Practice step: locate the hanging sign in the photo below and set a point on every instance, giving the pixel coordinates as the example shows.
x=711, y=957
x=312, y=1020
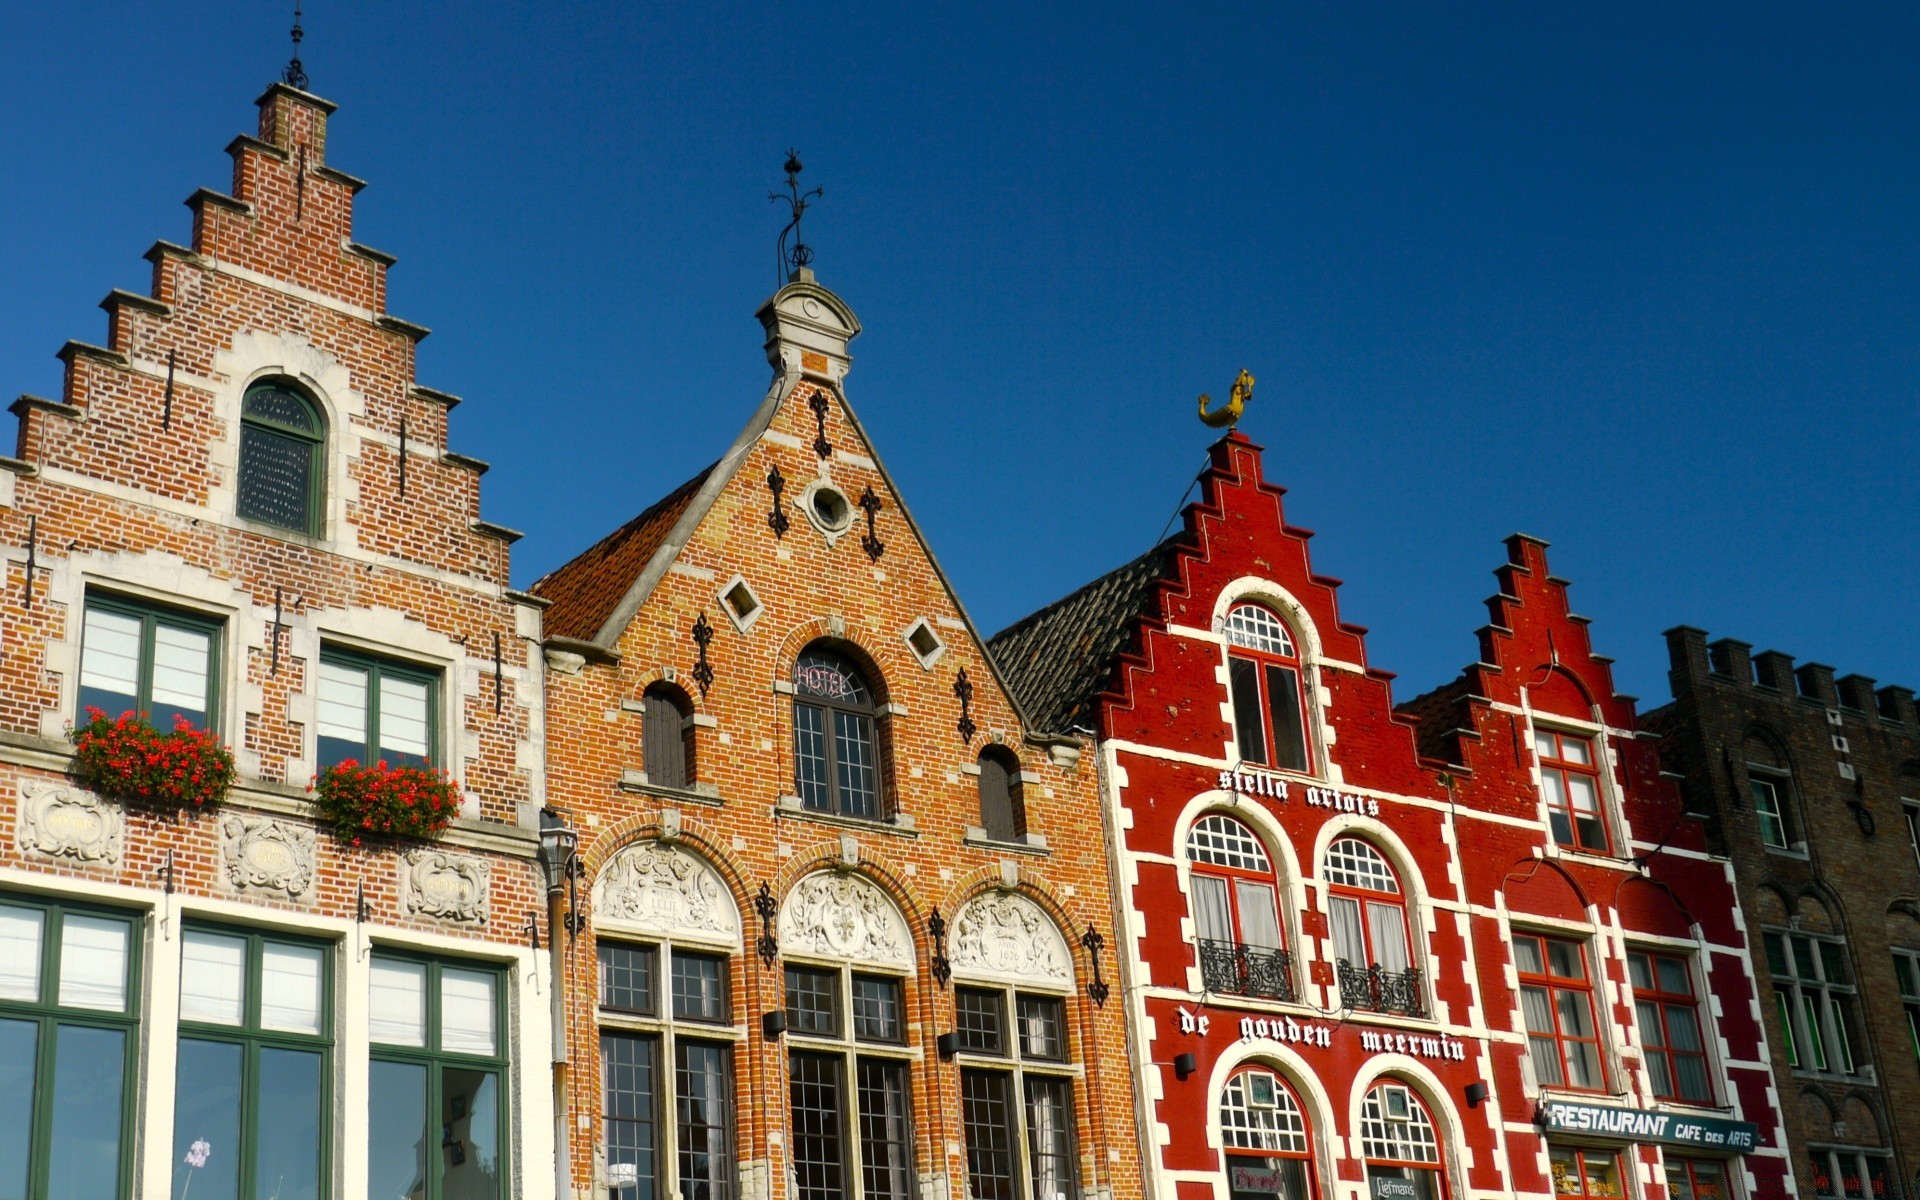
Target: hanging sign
x=1645, y=1125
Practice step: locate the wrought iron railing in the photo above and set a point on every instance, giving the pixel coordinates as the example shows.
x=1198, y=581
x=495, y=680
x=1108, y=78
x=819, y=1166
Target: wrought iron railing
x=1243, y=970
x=1376, y=989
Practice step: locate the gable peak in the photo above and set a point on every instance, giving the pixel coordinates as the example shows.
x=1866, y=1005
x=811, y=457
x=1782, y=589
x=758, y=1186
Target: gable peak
x=808, y=328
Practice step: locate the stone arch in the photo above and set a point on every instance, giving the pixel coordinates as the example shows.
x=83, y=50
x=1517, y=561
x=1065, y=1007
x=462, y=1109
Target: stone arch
x=666, y=825
x=1316, y=1103
x=1005, y=937
x=1416, y=1076
x=881, y=662
x=1903, y=924
x=847, y=917
x=1255, y=589
x=1256, y=816
x=1562, y=694
x=663, y=889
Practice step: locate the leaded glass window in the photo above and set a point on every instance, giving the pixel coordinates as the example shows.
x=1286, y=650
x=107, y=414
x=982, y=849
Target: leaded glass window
x=1016, y=1099
x=282, y=452
x=849, y=1111
x=836, y=749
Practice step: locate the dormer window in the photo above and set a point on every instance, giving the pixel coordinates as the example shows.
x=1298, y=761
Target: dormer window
x=1264, y=679
x=282, y=452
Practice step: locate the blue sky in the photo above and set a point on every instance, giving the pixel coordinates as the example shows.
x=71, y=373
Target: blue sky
x=1639, y=279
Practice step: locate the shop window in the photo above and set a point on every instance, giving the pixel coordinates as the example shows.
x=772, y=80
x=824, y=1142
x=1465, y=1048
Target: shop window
x=1668, y=1011
x=666, y=728
x=1814, y=998
x=376, y=710
x=1697, y=1179
x=1906, y=973
x=1269, y=1153
x=1235, y=899
x=68, y=1024
x=1368, y=911
x=1841, y=1173
x=1581, y=1172
x=836, y=748
x=1571, y=781
x=1556, y=998
x=252, y=1096
x=1003, y=816
x=437, y=1122
x=1264, y=679
x=1400, y=1143
x=282, y=456
x=1016, y=1093
x=142, y=658
x=666, y=1070
x=848, y=1087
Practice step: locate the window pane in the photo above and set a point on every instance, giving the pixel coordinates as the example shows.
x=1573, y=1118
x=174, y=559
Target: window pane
x=1576, y=750
x=181, y=657
x=987, y=1118
x=396, y=1131
x=1527, y=957
x=281, y=407
x=19, y=1060
x=628, y=1070
x=813, y=1001
x=1212, y=912
x=1833, y=963
x=286, y=1164
x=703, y=1083
x=1050, y=1137
x=403, y=720
x=470, y=1112
x=1567, y=960
x=1259, y=924
x=1289, y=738
x=813, y=1094
x=996, y=799
x=397, y=1003
x=20, y=932
x=1576, y=1014
x=1042, y=1028
x=110, y=663
x=886, y=1141
x=93, y=963
x=276, y=473
x=290, y=988
x=699, y=987
x=206, y=1120
x=1349, y=941
x=467, y=1011
x=1673, y=977
x=853, y=756
x=876, y=1009
x=342, y=713
x=1249, y=723
x=980, y=1019
x=1388, y=925
x=213, y=972
x=83, y=1154
x=1583, y=1065
x=626, y=977
x=810, y=756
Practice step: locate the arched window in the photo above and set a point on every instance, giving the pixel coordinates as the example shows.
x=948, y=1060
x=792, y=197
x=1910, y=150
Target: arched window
x=1269, y=1156
x=1399, y=1141
x=1770, y=782
x=1368, y=911
x=1263, y=678
x=667, y=736
x=1236, y=914
x=1003, y=815
x=835, y=750
x=282, y=452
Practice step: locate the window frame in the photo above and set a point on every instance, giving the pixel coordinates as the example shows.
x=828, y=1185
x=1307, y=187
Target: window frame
x=1690, y=1165
x=151, y=615
x=1910, y=809
x=49, y=1017
x=1558, y=764
x=1386, y=990
x=1580, y=1154
x=1554, y=985
x=1022, y=1071
x=1252, y=965
x=1014, y=828
x=1779, y=785
x=1437, y=1168
x=1834, y=1156
x=377, y=666
x=848, y=1051
x=869, y=715
x=1663, y=1001
x=663, y=1026
x=1832, y=1003
x=316, y=454
x=252, y=1037
x=1906, y=979
x=437, y=1060
x=1230, y=1150
x=1263, y=663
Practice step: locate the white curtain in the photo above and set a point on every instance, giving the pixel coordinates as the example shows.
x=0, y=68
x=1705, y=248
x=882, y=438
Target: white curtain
x=1388, y=924
x=93, y=963
x=466, y=1011
x=290, y=988
x=397, y=1003
x=1349, y=942
x=20, y=953
x=1212, y=916
x=1259, y=921
x=213, y=975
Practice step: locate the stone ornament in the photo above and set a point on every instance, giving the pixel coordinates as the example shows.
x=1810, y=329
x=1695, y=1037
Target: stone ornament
x=653, y=887
x=451, y=887
x=1004, y=935
x=59, y=820
x=835, y=914
x=260, y=853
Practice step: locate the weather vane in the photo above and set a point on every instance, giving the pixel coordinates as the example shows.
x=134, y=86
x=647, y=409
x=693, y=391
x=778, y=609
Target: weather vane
x=296, y=75
x=1228, y=414
x=792, y=260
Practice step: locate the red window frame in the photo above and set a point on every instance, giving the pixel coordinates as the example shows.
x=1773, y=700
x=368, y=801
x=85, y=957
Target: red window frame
x=1364, y=897
x=1304, y=1156
x=1434, y=1169
x=1717, y=1189
x=1554, y=761
x=1555, y=986
x=1269, y=878
x=1656, y=1037
x=1579, y=1177
x=1266, y=664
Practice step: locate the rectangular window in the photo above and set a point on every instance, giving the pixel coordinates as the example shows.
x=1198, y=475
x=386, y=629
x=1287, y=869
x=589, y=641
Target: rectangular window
x=1906, y=973
x=376, y=710
x=1697, y=1179
x=849, y=1110
x=437, y=1124
x=68, y=1025
x=1020, y=1102
x=1840, y=1173
x=1556, y=998
x=1571, y=783
x=699, y=986
x=627, y=973
x=251, y=1096
x=1579, y=1172
x=876, y=1009
x=1042, y=1028
x=1669, y=1017
x=630, y=1085
x=980, y=1018
x=1911, y=810
x=142, y=658
x=817, y=1114
x=1267, y=718
x=1815, y=1000
x=986, y=1117
x=813, y=1001
x=1770, y=809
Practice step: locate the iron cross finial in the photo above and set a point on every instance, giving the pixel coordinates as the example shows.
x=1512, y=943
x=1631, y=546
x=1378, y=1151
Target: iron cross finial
x=296, y=75
x=791, y=260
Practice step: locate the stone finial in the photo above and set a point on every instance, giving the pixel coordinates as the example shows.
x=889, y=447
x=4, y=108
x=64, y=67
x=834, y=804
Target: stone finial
x=808, y=328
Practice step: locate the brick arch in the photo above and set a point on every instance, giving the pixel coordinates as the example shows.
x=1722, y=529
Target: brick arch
x=1560, y=691
x=673, y=677
x=1030, y=884
x=1771, y=905
x=882, y=664
x=1811, y=902
x=1770, y=741
x=1816, y=1113
x=1550, y=884
x=1865, y=1124
x=1903, y=923
x=1651, y=905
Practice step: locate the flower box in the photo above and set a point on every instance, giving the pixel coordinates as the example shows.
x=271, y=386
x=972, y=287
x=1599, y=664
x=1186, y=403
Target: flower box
x=362, y=801
x=129, y=761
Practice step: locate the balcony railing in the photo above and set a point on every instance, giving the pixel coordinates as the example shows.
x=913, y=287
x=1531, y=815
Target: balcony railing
x=1376, y=989
x=1243, y=970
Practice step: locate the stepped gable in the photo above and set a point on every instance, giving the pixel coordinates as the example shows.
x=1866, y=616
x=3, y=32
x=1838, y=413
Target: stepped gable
x=1061, y=658
x=587, y=588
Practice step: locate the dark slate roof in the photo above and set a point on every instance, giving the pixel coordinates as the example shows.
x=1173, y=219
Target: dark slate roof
x=1058, y=660
x=1438, y=718
x=587, y=589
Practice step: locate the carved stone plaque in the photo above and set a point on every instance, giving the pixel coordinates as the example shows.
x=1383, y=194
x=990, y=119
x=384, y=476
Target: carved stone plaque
x=838, y=915
x=1004, y=935
x=652, y=887
x=437, y=883
x=59, y=820
x=260, y=853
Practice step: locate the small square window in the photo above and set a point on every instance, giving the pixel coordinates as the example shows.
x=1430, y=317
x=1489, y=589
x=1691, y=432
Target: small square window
x=626, y=978
x=741, y=603
x=876, y=1009
x=980, y=1018
x=699, y=986
x=924, y=642
x=813, y=1001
